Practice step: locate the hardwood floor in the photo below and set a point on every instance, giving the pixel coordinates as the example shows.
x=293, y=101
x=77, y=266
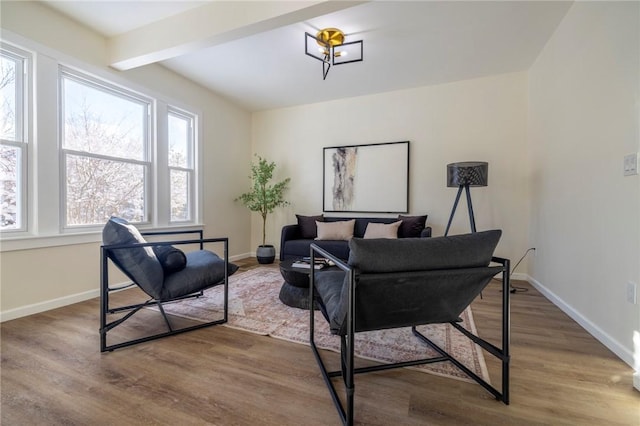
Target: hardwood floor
x=53, y=373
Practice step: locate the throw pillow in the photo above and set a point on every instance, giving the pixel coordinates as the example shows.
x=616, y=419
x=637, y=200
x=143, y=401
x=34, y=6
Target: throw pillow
x=382, y=230
x=171, y=258
x=411, y=226
x=340, y=230
x=138, y=263
x=307, y=224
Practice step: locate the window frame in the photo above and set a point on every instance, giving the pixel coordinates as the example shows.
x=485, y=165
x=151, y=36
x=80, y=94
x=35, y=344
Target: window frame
x=191, y=169
x=80, y=77
x=22, y=142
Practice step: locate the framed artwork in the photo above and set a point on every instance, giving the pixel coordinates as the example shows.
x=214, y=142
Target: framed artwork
x=370, y=178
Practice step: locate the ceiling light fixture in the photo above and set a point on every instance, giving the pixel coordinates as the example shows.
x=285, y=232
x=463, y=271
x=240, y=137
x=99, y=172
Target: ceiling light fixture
x=333, y=50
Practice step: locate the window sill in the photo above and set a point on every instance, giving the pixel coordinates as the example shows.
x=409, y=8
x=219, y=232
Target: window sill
x=39, y=241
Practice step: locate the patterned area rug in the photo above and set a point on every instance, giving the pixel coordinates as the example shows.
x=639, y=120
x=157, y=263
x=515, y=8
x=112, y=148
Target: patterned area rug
x=254, y=306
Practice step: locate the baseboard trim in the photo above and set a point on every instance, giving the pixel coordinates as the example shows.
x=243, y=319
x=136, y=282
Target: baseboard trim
x=47, y=305
x=241, y=256
x=59, y=302
x=519, y=276
x=612, y=344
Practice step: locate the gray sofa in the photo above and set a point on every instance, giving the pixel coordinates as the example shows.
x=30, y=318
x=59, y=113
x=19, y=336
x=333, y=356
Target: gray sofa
x=296, y=239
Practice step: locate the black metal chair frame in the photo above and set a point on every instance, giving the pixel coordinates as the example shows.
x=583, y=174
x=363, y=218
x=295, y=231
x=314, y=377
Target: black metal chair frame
x=106, y=252
x=348, y=369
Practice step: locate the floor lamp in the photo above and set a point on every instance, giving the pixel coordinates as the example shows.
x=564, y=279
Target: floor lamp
x=464, y=175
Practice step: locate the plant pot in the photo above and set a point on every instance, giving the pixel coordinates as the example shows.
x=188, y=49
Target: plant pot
x=266, y=254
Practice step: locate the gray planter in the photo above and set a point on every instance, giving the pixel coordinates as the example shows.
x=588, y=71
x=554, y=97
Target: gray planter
x=266, y=254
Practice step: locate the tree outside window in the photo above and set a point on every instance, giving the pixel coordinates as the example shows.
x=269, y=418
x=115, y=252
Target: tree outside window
x=181, y=172
x=105, y=149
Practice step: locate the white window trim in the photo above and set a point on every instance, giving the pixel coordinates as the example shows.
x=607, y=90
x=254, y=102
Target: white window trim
x=192, y=169
x=147, y=162
x=44, y=226
x=23, y=142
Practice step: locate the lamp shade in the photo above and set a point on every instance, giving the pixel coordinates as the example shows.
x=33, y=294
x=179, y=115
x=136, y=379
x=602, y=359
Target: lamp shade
x=472, y=173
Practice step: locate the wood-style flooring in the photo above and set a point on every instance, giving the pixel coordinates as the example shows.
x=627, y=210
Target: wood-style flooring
x=53, y=373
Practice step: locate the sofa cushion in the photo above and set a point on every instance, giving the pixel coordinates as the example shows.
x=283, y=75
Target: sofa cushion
x=300, y=248
x=171, y=259
x=411, y=226
x=340, y=230
x=414, y=254
x=307, y=225
x=140, y=264
x=382, y=230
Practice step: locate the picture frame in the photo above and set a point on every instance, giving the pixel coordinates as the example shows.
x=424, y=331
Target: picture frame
x=369, y=178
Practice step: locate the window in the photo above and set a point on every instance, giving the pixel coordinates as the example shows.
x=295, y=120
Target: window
x=105, y=140
x=180, y=138
x=13, y=140
x=104, y=146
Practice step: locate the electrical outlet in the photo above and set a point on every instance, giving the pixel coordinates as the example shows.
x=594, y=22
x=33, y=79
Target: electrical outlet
x=631, y=164
x=632, y=292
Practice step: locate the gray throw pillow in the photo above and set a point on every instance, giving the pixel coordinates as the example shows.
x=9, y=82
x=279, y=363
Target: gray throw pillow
x=171, y=258
x=140, y=264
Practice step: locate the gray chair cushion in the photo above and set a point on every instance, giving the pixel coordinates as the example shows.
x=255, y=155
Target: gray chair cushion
x=140, y=264
x=204, y=269
x=423, y=254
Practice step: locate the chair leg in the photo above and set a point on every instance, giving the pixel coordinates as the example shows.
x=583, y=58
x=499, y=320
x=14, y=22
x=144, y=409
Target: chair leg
x=164, y=315
x=347, y=350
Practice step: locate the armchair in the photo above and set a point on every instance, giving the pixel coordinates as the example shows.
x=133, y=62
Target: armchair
x=405, y=283
x=163, y=272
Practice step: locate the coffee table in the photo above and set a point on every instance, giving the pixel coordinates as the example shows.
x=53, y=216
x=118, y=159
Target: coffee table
x=295, y=289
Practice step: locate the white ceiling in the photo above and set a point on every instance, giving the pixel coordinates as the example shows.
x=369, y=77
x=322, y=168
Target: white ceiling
x=260, y=62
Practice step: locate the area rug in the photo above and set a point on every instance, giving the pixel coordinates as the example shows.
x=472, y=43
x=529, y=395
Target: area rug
x=254, y=306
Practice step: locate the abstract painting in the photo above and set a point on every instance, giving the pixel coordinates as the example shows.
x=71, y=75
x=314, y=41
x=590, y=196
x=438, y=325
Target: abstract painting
x=371, y=178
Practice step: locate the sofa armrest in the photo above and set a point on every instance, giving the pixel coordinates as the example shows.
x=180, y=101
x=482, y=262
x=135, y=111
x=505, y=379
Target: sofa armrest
x=289, y=232
x=426, y=232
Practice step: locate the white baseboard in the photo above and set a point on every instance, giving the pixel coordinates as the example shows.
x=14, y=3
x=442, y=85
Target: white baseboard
x=520, y=276
x=241, y=256
x=612, y=344
x=59, y=302
x=47, y=305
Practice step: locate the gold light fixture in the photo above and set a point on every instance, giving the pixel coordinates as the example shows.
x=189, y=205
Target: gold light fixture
x=333, y=50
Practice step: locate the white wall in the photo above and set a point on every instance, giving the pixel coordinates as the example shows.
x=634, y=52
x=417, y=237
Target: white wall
x=39, y=279
x=584, y=116
x=482, y=119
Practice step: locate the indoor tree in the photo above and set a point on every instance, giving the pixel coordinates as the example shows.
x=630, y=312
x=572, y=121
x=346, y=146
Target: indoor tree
x=264, y=197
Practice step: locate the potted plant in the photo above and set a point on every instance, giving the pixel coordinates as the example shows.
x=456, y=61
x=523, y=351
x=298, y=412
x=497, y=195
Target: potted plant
x=264, y=197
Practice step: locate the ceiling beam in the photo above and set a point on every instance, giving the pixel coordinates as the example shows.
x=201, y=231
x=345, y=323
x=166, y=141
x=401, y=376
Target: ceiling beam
x=214, y=23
